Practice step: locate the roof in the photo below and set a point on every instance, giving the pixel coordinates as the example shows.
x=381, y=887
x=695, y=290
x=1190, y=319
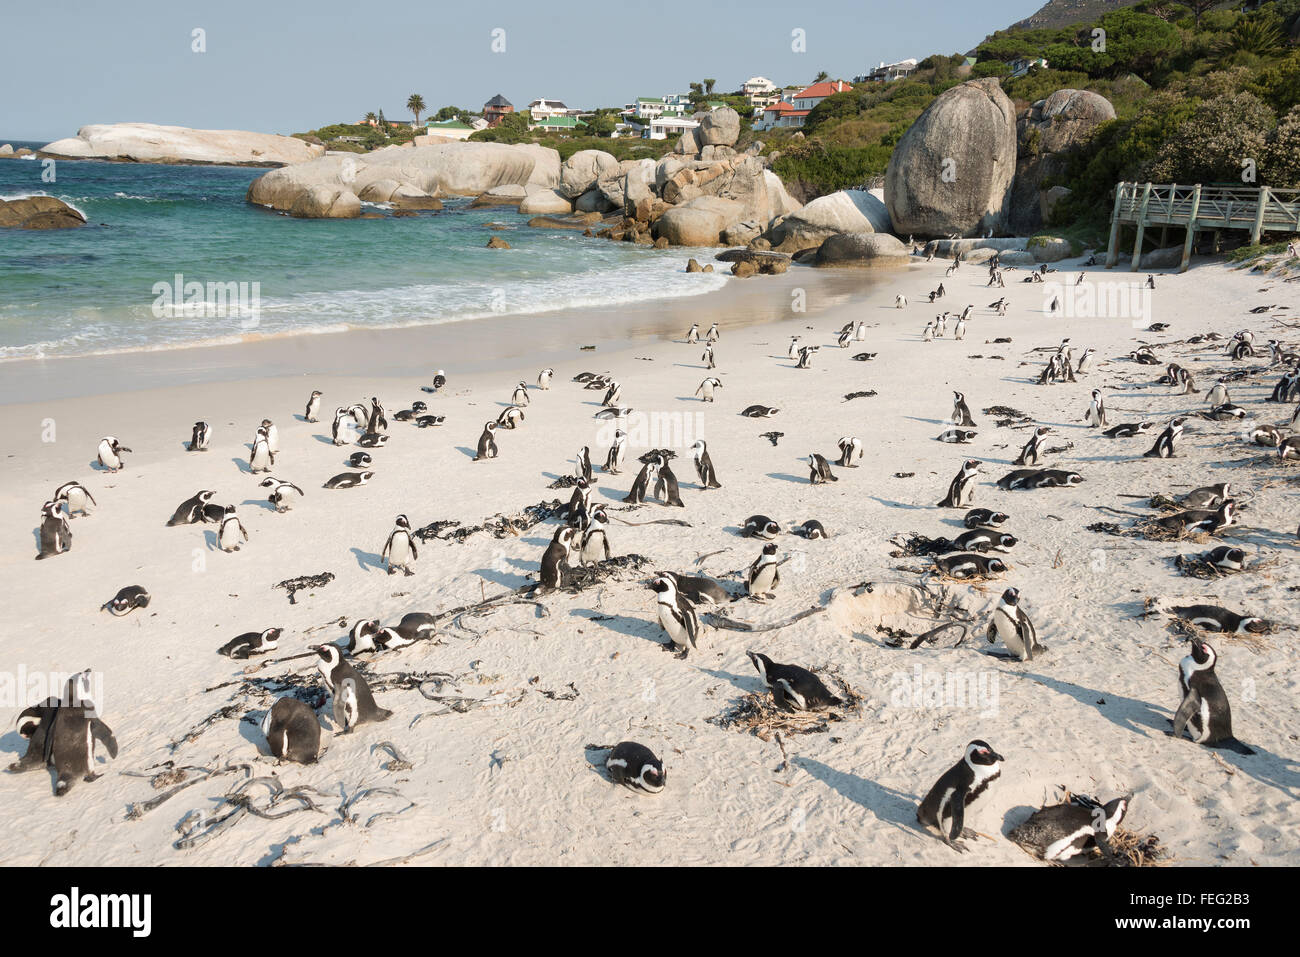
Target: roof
x=780, y=106
x=551, y=103
x=823, y=89
x=448, y=125
x=649, y=99
x=560, y=122
x=499, y=100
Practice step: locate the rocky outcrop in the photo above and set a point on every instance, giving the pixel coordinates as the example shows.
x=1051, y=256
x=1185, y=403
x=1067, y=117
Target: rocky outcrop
x=953, y=169
x=1049, y=249
x=546, y=164
x=783, y=204
x=720, y=127
x=496, y=242
x=326, y=202
x=150, y=143
x=38, y=212
x=1046, y=134
x=862, y=249
x=580, y=171
x=6, y=149
x=511, y=195
x=544, y=202
x=848, y=211
x=699, y=222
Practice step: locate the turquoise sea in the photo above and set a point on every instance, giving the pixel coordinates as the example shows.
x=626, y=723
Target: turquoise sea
x=92, y=290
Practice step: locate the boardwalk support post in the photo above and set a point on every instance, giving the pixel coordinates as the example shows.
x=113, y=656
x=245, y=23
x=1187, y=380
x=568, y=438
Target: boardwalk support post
x=1141, y=230
x=1191, y=229
x=1112, y=248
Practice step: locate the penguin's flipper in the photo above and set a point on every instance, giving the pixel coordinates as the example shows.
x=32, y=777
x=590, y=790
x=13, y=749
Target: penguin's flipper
x=1190, y=707
x=958, y=808
x=104, y=735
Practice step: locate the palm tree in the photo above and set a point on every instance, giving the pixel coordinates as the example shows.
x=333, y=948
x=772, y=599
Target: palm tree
x=821, y=76
x=415, y=103
x=371, y=118
x=708, y=85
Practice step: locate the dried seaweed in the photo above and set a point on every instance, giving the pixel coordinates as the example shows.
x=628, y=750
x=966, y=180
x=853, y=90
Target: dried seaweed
x=295, y=585
x=564, y=481
x=860, y=395
x=1110, y=528
x=500, y=526
x=757, y=713
x=585, y=576
x=1008, y=416
x=435, y=530
x=915, y=544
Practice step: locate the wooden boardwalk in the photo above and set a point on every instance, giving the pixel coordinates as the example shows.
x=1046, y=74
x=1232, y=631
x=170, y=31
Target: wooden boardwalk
x=1198, y=207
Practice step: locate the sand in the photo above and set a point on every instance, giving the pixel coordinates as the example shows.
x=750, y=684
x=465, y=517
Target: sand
x=509, y=780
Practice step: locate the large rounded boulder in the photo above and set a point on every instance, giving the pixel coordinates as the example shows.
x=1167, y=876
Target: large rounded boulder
x=580, y=171
x=847, y=211
x=952, y=170
x=862, y=249
x=1047, y=133
x=699, y=222
x=38, y=212
x=720, y=127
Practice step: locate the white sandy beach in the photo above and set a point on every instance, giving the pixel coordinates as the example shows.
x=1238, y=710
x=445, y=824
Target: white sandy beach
x=509, y=782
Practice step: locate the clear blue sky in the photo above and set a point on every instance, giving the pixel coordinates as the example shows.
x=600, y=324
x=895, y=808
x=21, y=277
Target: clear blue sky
x=286, y=66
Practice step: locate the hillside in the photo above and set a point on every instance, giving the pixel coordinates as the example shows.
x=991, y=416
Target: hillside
x=1064, y=13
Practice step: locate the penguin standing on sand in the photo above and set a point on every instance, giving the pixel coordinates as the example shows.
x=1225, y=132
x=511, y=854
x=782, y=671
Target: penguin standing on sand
x=1096, y=417
x=544, y=379
x=666, y=489
x=713, y=333
x=1204, y=710
x=819, y=470
x=794, y=347
x=190, y=511
x=339, y=430
x=805, y=357
x=273, y=435
x=55, y=534
x=231, y=531
x=704, y=465
x=377, y=421
x=959, y=786
x=1085, y=360
x=707, y=357
x=764, y=574
x=960, y=411
x=1166, y=440
x=556, y=558
x=1029, y=454
x=676, y=616
x=312, y=412
x=693, y=335
x=110, y=453
x=1218, y=395
x=487, y=442
x=961, y=491
x=292, y=731
x=353, y=702
x=705, y=391
x=595, y=540
x=850, y=451
x=261, y=458
x=582, y=467
x=281, y=493
x=612, y=395
x=520, y=395
x=649, y=473
x=74, y=497
x=579, y=502
x=860, y=333
x=399, y=551
x=200, y=437
x=617, y=453
x=1012, y=625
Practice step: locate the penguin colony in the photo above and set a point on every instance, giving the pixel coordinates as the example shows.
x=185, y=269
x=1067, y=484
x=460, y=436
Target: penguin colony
x=63, y=733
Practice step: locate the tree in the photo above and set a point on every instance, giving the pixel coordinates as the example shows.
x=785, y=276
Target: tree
x=371, y=118
x=415, y=103
x=708, y=85
x=821, y=77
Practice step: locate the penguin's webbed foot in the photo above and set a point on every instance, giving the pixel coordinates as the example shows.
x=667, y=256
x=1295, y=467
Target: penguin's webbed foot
x=409, y=573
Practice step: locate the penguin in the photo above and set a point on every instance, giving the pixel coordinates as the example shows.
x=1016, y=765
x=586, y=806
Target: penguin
x=361, y=636
x=705, y=391
x=969, y=565
x=1204, y=711
x=1055, y=478
x=957, y=436
x=617, y=412
x=487, y=443
x=544, y=379
x=110, y=453
x=1218, y=394
x=1225, y=558
x=582, y=465
x=1209, y=521
x=612, y=395
x=959, y=333
x=981, y=517
x=70, y=739
x=371, y=440
x=900, y=301
x=793, y=688
x=666, y=489
x=377, y=421
x=759, y=411
x=127, y=600
x=292, y=731
x=698, y=589
x=212, y=513
x=927, y=334
x=805, y=357
x=200, y=437
x=1214, y=618
x=983, y=539
x=1029, y=454
x=348, y=480
x=74, y=496
x=55, y=533
x=693, y=334
x=190, y=511
x=399, y=551
x=1096, y=416
x=1064, y=831
x=359, y=460
x=1085, y=361
x=273, y=435
x=413, y=626
x=280, y=496
x=595, y=540
x=635, y=767
x=960, y=785
x=617, y=452
x=713, y=335
x=416, y=410
x=1127, y=430
x=312, y=412
x=760, y=526
x=676, y=616
x=1288, y=450
x=556, y=558
x=819, y=470
x=649, y=472
x=860, y=332
x=520, y=395
x=962, y=488
x=439, y=381
x=845, y=339
x=579, y=503
x=231, y=531
x=850, y=451
x=704, y=465
x=339, y=429
x=251, y=643
x=1265, y=435
x=360, y=416
x=1013, y=626
x=1209, y=496
x=764, y=574
x=353, y=702
x=1166, y=440
x=708, y=358
x=794, y=347
x=510, y=417
x=960, y=412
x=813, y=530
x=428, y=421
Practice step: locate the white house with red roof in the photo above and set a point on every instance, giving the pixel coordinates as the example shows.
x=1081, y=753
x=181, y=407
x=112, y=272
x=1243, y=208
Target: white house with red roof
x=791, y=111
x=810, y=96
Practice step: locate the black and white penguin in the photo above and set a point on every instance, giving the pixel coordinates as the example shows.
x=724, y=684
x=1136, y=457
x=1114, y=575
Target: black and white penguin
x=666, y=488
x=704, y=465
x=410, y=415
x=1267, y=436
x=1029, y=454
x=251, y=643
x=200, y=437
x=376, y=421
x=430, y=421
x=579, y=502
x=556, y=558
x=371, y=440
x=272, y=435
x=582, y=464
x=292, y=731
x=439, y=380
x=981, y=517
x=845, y=339
x=1207, y=520
x=969, y=565
x=400, y=551
x=595, y=538
x=339, y=431
x=231, y=532
x=1064, y=831
x=792, y=687
x=1167, y=440
x=693, y=334
x=74, y=497
x=1204, y=712
x=1208, y=496
x=1218, y=394
x=1226, y=558
x=55, y=533
x=487, y=443
x=190, y=511
x=641, y=486
x=617, y=452
x=353, y=702
x=312, y=412
x=676, y=615
x=957, y=436
x=850, y=451
x=127, y=600
x=1127, y=430
x=760, y=526
x=805, y=356
x=510, y=417
x=957, y=787
x=280, y=493
x=1214, y=618
x=1288, y=450
x=983, y=539
x=1085, y=361
x=960, y=411
x=1096, y=415
x=961, y=490
x=359, y=460
x=708, y=358
x=636, y=767
x=261, y=458
x=698, y=589
x=612, y=395
x=74, y=729
x=348, y=480
x=819, y=470
x=813, y=530
x=1014, y=627
x=520, y=395
x=544, y=379
x=759, y=411
x=764, y=574
x=705, y=390
x=110, y=453
x=713, y=335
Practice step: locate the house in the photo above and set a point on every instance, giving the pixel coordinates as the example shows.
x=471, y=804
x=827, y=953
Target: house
x=888, y=72
x=669, y=124
x=757, y=85
x=542, y=109
x=495, y=110
x=647, y=108
x=452, y=129
x=781, y=115
x=1022, y=65
x=680, y=102
x=557, y=124
x=810, y=96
